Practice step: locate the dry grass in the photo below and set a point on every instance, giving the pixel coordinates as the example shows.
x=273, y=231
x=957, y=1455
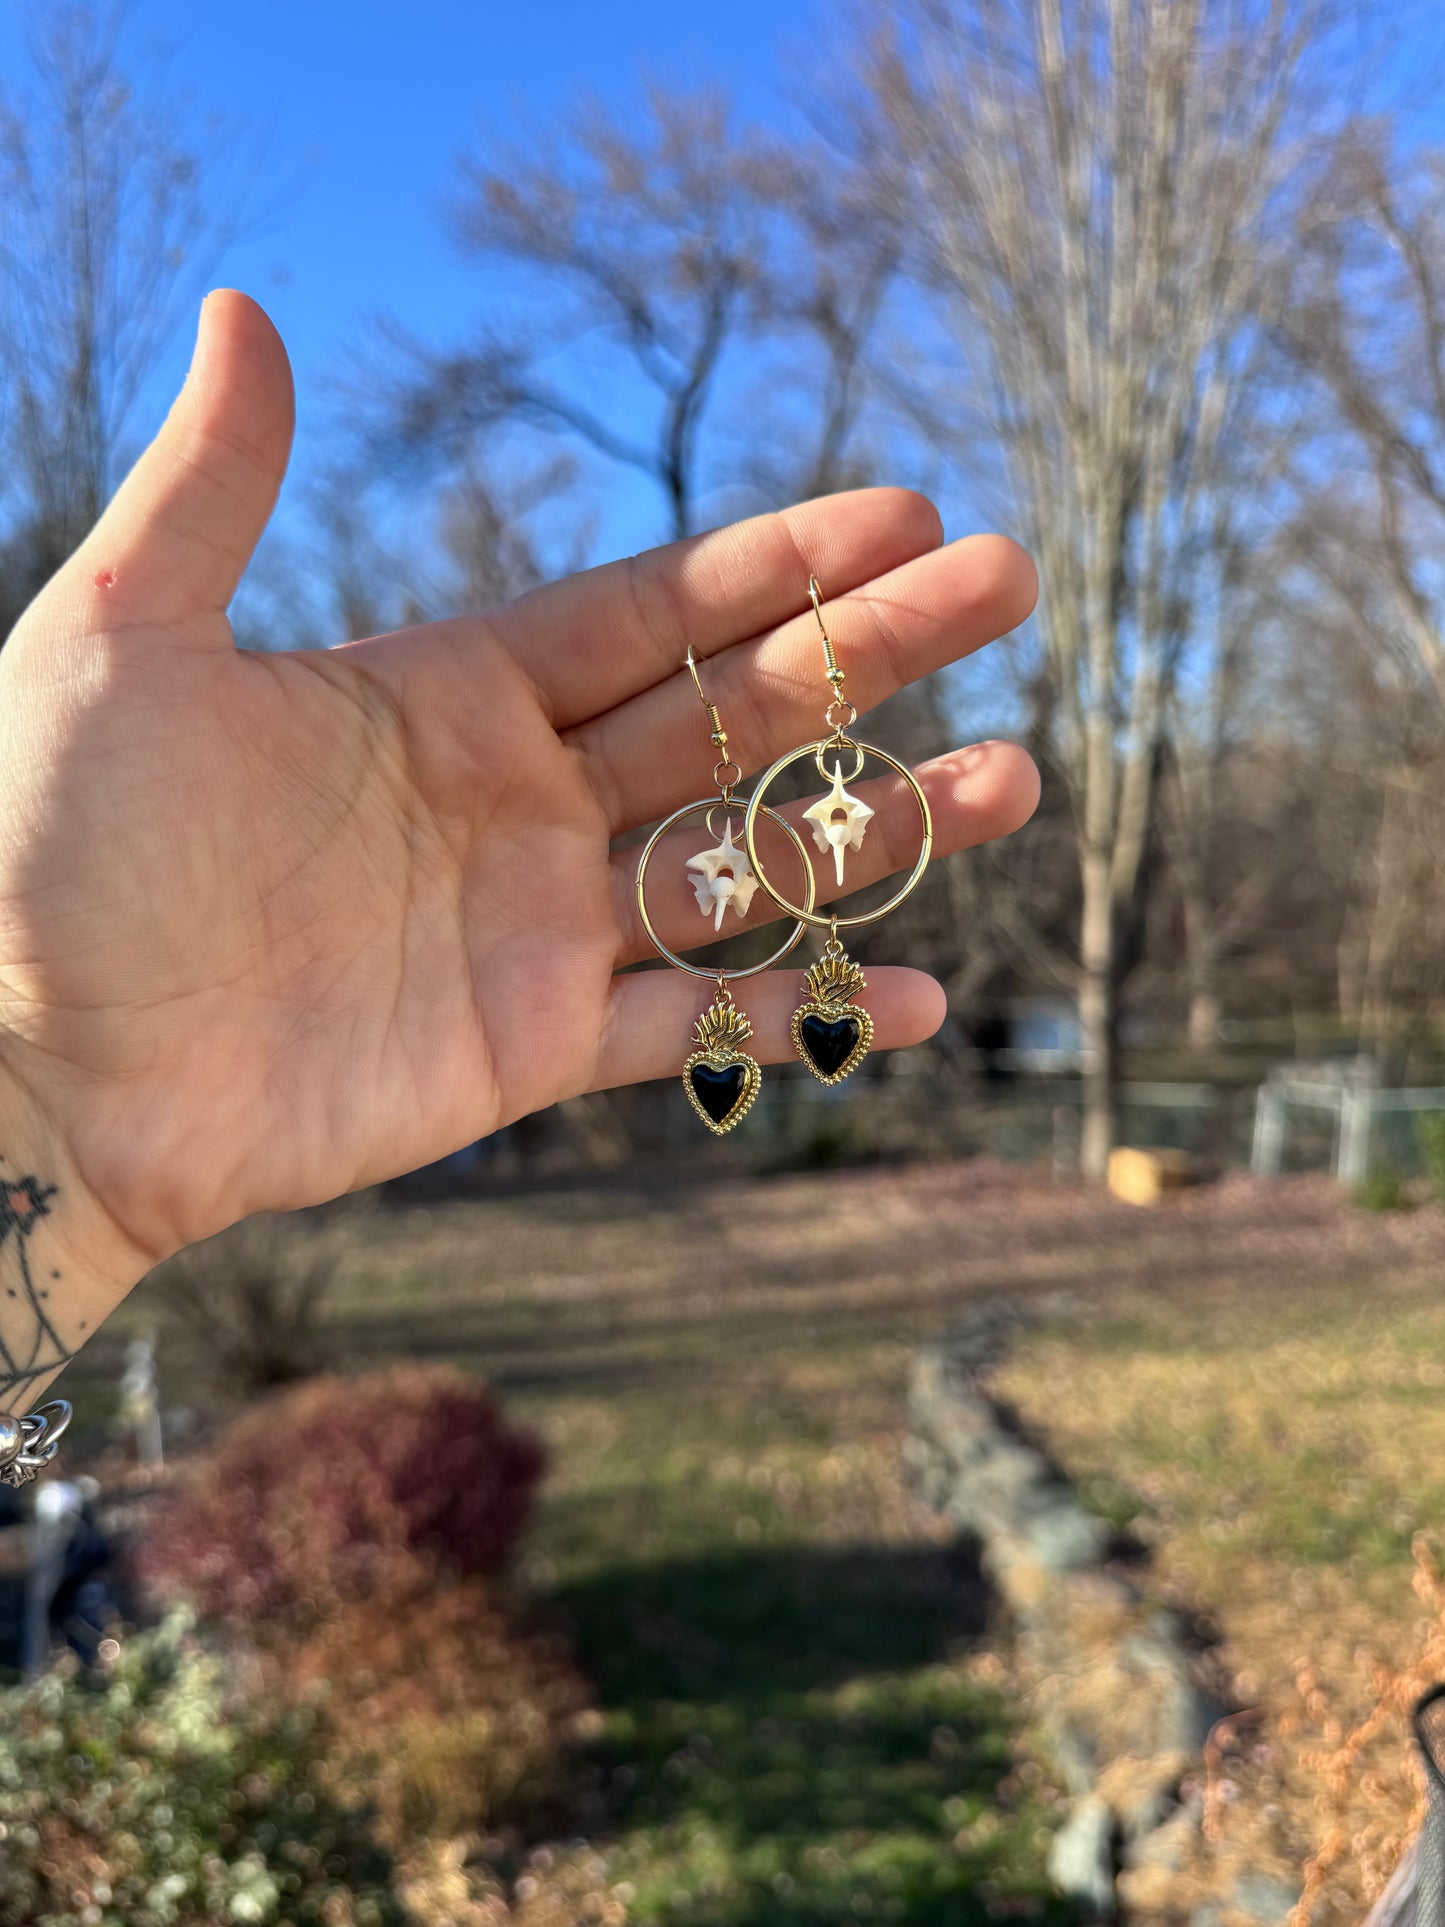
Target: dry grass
x=1275, y=1436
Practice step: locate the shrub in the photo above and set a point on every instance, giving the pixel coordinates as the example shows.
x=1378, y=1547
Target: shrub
x=154, y=1801
x=1382, y=1191
x=344, y=1490
x=1430, y=1131
x=250, y=1300
x=453, y=1721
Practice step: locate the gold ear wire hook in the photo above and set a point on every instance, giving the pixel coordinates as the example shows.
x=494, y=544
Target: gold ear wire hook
x=835, y=679
x=815, y=596
x=719, y=734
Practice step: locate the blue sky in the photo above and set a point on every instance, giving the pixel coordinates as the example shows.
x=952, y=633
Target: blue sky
x=365, y=106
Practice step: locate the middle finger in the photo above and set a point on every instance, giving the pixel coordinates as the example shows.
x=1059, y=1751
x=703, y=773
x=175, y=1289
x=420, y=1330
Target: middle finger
x=652, y=753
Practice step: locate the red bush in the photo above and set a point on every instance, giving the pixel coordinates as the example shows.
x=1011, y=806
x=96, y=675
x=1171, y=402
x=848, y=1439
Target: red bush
x=346, y=1489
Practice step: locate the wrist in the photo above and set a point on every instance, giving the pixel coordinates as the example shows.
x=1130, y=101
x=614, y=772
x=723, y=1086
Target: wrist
x=65, y=1262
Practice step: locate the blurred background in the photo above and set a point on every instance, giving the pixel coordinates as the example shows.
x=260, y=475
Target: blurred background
x=1006, y=1486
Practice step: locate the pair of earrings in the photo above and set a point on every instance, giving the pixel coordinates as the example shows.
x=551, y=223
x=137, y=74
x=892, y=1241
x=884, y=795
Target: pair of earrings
x=830, y=1033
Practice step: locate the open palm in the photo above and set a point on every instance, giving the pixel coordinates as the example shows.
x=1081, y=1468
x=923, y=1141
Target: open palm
x=274, y=926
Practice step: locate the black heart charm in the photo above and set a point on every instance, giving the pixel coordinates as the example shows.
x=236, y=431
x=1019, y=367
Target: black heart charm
x=721, y=1086
x=718, y=1091
x=829, y=1045
x=832, y=1039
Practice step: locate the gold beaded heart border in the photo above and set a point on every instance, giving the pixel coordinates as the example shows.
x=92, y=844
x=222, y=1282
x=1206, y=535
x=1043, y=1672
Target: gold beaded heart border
x=721, y=1061
x=832, y=1014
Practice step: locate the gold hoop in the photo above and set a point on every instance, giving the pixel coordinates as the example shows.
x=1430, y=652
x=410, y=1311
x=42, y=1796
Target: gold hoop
x=704, y=807
x=807, y=914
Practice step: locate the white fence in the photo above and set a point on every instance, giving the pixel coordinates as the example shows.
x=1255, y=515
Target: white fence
x=1349, y=1094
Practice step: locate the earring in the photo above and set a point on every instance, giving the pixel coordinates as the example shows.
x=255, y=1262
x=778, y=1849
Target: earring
x=720, y=1079
x=829, y=1033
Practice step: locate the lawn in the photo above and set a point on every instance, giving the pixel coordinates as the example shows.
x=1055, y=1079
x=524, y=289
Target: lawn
x=801, y=1720
x=805, y=1714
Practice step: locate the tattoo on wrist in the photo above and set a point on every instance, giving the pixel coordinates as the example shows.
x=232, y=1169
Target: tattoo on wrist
x=30, y=1344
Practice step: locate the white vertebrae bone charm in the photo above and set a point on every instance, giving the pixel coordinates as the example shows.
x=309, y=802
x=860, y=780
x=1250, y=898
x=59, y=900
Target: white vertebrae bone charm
x=838, y=820
x=725, y=879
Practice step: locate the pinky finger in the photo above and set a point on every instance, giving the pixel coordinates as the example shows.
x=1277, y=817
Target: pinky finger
x=649, y=1030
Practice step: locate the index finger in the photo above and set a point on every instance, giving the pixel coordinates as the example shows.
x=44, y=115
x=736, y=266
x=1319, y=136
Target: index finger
x=593, y=640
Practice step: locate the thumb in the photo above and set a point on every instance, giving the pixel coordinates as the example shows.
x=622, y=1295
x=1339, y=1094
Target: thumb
x=181, y=528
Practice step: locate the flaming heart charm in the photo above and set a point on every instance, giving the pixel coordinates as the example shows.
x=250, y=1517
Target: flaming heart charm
x=721, y=1081
x=829, y=1034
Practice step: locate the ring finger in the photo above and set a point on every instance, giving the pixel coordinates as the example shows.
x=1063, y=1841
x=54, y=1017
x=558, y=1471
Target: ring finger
x=973, y=794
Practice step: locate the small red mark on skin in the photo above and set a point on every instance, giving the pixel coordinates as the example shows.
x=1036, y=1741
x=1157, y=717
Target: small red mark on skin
x=105, y=579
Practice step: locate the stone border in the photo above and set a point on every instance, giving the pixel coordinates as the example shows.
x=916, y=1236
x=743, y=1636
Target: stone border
x=1125, y=1698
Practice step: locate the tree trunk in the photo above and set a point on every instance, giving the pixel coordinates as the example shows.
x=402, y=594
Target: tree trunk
x=1390, y=915
x=1097, y=1018
x=1202, y=962
x=1205, y=1012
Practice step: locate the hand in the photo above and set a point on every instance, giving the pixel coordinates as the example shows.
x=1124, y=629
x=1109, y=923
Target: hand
x=276, y=926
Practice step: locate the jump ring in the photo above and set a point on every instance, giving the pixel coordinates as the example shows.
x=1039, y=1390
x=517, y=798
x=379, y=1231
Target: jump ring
x=835, y=743
x=705, y=809
x=807, y=913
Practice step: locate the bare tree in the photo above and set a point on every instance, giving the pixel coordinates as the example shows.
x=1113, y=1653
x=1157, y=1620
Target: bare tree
x=111, y=220
x=660, y=273
x=1364, y=321
x=653, y=249
x=363, y=556
x=818, y=380
x=1096, y=179
x=489, y=533
x=1365, y=710
x=1207, y=809
x=1366, y=318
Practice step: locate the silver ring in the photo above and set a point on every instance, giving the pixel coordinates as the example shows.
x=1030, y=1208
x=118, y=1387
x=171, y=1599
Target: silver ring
x=27, y=1445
